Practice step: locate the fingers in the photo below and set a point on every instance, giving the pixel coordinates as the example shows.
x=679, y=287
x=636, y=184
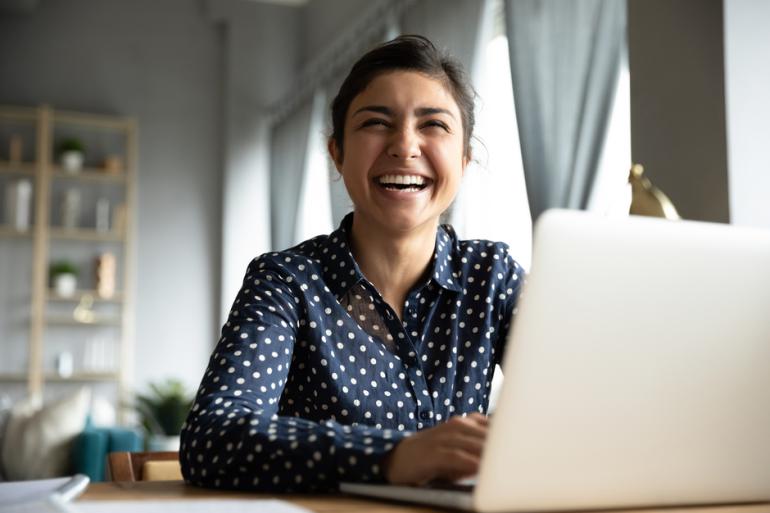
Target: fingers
x=468, y=444
x=457, y=464
x=474, y=425
x=451, y=450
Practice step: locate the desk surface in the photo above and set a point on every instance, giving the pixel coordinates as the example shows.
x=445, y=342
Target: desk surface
x=159, y=490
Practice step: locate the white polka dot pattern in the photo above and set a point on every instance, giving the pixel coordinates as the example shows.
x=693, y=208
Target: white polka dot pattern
x=315, y=378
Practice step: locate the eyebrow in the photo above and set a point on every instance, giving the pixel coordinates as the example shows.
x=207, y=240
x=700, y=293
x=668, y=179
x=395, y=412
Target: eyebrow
x=420, y=112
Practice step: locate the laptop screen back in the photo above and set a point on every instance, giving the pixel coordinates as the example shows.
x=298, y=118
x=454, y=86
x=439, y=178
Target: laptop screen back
x=637, y=372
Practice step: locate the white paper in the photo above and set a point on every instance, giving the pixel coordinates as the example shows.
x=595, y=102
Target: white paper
x=51, y=505
x=27, y=491
x=188, y=506
x=41, y=494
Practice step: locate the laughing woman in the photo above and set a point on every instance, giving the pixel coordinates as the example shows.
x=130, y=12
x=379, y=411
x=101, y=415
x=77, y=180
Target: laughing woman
x=366, y=354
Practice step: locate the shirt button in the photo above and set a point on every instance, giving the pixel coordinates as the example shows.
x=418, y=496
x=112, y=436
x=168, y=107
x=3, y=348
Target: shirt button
x=425, y=415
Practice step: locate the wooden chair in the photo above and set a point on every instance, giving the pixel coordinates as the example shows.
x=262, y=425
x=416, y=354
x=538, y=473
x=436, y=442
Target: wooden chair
x=144, y=466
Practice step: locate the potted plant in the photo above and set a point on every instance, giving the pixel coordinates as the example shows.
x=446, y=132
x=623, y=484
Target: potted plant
x=163, y=411
x=64, y=278
x=71, y=154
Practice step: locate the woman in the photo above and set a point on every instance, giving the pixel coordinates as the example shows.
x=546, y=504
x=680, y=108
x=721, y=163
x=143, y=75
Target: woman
x=367, y=354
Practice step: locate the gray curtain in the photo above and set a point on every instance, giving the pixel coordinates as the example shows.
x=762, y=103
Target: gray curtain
x=565, y=60
x=289, y=146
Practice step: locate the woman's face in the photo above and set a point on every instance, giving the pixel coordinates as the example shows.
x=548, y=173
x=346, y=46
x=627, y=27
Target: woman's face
x=403, y=151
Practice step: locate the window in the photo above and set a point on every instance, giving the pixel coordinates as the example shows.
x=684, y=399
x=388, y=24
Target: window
x=314, y=211
x=492, y=203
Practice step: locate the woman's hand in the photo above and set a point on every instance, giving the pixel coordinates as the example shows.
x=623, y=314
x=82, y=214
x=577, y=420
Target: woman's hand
x=449, y=451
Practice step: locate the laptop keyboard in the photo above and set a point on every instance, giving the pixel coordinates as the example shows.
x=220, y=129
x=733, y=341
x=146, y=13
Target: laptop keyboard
x=452, y=487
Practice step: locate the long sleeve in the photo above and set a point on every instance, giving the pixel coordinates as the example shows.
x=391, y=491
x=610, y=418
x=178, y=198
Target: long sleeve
x=510, y=290
x=236, y=435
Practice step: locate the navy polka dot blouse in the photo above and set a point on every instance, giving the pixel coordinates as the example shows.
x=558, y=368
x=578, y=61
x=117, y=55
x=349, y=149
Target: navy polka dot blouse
x=315, y=378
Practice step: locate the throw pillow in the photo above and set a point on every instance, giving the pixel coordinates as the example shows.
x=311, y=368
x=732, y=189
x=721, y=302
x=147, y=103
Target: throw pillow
x=38, y=438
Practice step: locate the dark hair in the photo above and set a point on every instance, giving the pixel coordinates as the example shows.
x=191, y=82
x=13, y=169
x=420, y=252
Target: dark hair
x=412, y=53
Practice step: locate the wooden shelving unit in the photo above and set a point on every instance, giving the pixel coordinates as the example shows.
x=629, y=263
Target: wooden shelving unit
x=47, y=309
x=89, y=175
x=8, y=231
x=80, y=377
x=17, y=168
x=80, y=294
x=69, y=321
x=84, y=235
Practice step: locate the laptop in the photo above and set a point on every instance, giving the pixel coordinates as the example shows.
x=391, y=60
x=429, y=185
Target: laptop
x=637, y=373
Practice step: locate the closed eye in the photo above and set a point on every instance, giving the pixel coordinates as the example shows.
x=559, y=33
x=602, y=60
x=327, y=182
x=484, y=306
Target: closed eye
x=375, y=122
x=435, y=123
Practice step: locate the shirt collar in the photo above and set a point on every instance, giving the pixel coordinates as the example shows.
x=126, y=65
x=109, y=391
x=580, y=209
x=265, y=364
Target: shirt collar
x=446, y=271
x=341, y=270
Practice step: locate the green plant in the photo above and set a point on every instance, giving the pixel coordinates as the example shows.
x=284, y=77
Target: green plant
x=63, y=267
x=71, y=144
x=165, y=408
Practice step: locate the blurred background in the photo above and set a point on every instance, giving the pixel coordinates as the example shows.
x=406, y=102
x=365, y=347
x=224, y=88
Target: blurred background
x=203, y=126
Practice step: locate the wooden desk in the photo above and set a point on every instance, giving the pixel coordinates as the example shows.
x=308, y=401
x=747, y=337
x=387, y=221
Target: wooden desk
x=159, y=490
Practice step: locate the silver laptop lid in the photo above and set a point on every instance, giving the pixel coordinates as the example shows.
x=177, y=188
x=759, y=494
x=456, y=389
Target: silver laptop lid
x=638, y=369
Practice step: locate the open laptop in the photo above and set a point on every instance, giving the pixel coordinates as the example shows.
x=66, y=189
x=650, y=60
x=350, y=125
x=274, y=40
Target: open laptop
x=637, y=372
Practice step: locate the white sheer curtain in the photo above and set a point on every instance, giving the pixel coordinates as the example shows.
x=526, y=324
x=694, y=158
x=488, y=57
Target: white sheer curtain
x=492, y=203
x=314, y=209
x=287, y=168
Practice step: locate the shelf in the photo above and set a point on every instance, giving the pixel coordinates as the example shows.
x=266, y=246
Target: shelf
x=78, y=296
x=95, y=121
x=17, y=168
x=13, y=377
x=77, y=377
x=70, y=321
x=7, y=231
x=13, y=113
x=84, y=376
x=90, y=175
x=85, y=234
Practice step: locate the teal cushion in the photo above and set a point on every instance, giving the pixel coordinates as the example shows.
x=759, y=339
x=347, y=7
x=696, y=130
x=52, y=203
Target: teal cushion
x=123, y=439
x=89, y=453
x=91, y=447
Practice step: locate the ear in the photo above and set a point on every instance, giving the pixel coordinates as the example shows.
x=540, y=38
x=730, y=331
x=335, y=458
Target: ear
x=335, y=154
x=466, y=161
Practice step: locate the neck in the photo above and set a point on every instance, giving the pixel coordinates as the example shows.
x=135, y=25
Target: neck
x=392, y=261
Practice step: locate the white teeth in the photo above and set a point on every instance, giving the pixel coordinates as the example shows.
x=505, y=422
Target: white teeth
x=402, y=180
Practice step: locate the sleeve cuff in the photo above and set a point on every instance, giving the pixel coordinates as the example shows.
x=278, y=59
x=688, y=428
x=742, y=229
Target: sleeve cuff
x=359, y=451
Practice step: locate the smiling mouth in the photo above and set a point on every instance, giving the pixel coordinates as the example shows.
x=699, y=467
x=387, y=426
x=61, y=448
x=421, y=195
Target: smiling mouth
x=409, y=183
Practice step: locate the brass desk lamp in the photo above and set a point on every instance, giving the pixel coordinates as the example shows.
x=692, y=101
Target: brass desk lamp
x=646, y=199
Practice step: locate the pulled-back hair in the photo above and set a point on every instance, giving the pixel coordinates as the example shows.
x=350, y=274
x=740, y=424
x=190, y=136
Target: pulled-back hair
x=405, y=53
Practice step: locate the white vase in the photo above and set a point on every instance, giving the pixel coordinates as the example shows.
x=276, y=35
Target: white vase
x=163, y=443
x=65, y=284
x=72, y=161
x=70, y=209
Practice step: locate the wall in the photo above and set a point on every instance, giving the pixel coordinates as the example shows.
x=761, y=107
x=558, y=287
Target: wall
x=159, y=62
x=747, y=81
x=677, y=102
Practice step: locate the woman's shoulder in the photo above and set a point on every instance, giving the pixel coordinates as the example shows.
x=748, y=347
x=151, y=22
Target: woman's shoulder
x=484, y=259
x=304, y=258
x=480, y=252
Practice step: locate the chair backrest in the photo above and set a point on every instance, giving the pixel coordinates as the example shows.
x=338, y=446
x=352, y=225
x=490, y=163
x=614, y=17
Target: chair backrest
x=144, y=466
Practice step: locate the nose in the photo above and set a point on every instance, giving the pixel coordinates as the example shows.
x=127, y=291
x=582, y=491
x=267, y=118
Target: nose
x=404, y=144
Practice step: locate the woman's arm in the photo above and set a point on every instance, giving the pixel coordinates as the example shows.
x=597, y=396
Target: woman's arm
x=234, y=437
x=508, y=297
